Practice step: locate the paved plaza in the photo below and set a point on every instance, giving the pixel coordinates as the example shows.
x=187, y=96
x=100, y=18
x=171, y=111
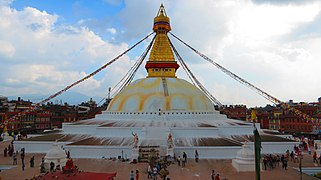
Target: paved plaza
x=192, y=170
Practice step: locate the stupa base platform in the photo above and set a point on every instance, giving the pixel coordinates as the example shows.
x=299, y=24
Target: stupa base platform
x=108, y=151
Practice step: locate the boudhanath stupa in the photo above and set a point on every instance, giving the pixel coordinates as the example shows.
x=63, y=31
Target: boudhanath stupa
x=160, y=113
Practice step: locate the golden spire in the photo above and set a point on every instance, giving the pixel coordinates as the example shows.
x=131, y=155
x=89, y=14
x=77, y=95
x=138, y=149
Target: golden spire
x=161, y=60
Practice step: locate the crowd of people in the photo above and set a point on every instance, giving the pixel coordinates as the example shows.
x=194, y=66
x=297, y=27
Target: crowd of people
x=10, y=152
x=272, y=161
x=269, y=161
x=215, y=176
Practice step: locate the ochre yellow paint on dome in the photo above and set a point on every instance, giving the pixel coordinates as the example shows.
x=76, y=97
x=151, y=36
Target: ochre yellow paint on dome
x=146, y=84
x=148, y=95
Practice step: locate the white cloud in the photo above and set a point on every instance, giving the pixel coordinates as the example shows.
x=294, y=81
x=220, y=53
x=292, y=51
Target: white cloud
x=5, y=2
x=261, y=22
x=6, y=49
x=112, y=30
x=43, y=57
x=254, y=41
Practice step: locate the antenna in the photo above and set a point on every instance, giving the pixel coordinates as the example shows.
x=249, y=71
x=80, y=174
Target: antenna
x=109, y=89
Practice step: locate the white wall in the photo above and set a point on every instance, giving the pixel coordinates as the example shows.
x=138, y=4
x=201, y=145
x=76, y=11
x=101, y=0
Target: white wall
x=275, y=147
x=117, y=131
x=218, y=152
x=36, y=146
x=97, y=152
x=194, y=132
x=78, y=129
x=232, y=130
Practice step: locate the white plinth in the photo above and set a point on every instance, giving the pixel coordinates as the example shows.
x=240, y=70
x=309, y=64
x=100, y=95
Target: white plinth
x=245, y=159
x=135, y=153
x=170, y=152
x=6, y=137
x=243, y=166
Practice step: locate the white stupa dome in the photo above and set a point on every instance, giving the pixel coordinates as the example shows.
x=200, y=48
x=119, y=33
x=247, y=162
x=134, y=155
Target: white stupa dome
x=155, y=94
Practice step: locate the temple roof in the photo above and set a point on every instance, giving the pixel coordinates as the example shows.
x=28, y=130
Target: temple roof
x=161, y=57
x=161, y=50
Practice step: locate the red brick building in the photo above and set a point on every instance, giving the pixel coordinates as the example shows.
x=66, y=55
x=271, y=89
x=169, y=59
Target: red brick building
x=235, y=111
x=43, y=120
x=263, y=119
x=292, y=123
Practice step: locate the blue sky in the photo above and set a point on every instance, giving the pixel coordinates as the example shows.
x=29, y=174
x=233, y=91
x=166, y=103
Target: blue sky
x=45, y=45
x=96, y=15
x=72, y=11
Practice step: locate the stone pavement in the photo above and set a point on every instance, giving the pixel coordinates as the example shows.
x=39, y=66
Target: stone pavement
x=191, y=171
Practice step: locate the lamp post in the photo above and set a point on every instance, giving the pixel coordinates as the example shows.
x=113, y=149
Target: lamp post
x=300, y=166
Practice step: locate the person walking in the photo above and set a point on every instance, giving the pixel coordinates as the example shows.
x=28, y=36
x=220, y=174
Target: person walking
x=9, y=150
x=179, y=160
x=217, y=177
x=149, y=171
x=183, y=162
x=155, y=173
x=5, y=152
x=185, y=157
x=137, y=175
x=212, y=174
x=52, y=166
x=278, y=160
x=265, y=162
x=315, y=157
x=196, y=155
x=22, y=156
x=15, y=159
x=32, y=161
x=292, y=156
x=131, y=175
x=285, y=164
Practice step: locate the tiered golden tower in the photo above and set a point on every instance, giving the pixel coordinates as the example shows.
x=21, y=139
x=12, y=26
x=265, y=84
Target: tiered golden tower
x=161, y=61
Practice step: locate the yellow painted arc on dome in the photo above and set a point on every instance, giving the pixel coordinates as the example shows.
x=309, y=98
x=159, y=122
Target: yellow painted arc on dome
x=146, y=85
x=143, y=97
x=123, y=98
x=188, y=99
x=180, y=91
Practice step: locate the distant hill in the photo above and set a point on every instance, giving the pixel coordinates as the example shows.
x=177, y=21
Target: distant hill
x=71, y=97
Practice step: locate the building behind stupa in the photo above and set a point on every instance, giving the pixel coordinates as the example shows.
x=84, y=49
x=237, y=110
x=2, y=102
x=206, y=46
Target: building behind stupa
x=160, y=112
